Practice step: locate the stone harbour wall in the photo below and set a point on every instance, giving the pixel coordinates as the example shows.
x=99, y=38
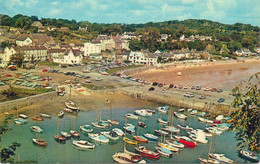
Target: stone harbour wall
x=19, y=103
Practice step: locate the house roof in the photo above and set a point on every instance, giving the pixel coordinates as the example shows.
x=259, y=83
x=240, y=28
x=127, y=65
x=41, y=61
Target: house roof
x=26, y=48
x=96, y=41
x=55, y=50
x=22, y=37
x=76, y=52
x=13, y=36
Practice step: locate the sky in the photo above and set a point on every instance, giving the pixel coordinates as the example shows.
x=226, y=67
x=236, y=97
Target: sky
x=137, y=11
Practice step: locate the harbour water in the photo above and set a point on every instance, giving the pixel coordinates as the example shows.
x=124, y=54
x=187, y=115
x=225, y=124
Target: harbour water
x=55, y=152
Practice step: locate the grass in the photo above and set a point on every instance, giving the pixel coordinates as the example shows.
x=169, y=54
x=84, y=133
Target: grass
x=114, y=70
x=94, y=87
x=48, y=63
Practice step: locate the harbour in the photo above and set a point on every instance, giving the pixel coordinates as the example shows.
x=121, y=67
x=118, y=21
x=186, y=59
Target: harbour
x=67, y=153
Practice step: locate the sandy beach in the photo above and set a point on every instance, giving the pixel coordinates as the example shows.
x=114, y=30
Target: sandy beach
x=220, y=74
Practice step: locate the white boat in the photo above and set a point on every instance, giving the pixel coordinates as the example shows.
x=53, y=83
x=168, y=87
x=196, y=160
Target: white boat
x=213, y=130
x=71, y=105
x=249, y=155
x=175, y=143
x=207, y=161
x=198, y=137
x=150, y=136
x=221, y=158
x=113, y=122
x=163, y=121
x=193, y=112
x=168, y=146
x=118, y=131
x=201, y=131
x=128, y=158
x=132, y=116
x=189, y=110
x=86, y=128
x=129, y=128
x=110, y=135
x=20, y=121
x=45, y=115
x=83, y=144
x=219, y=117
x=171, y=129
x=163, y=109
x=23, y=116
x=98, y=137
x=184, y=127
x=74, y=133
x=65, y=134
x=36, y=129
x=205, y=120
x=99, y=124
x=68, y=110
x=179, y=115
x=143, y=112
x=179, y=73
x=181, y=110
x=163, y=151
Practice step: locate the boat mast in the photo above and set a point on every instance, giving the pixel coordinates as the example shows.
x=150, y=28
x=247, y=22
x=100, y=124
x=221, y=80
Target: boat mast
x=58, y=127
x=209, y=147
x=70, y=93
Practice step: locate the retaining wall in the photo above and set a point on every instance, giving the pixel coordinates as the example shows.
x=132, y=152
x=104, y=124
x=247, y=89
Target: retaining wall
x=19, y=103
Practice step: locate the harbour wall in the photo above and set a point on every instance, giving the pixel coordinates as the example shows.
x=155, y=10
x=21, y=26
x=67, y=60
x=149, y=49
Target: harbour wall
x=19, y=103
x=176, y=100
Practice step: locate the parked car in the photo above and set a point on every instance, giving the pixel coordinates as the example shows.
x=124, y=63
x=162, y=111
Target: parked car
x=220, y=100
x=202, y=97
x=219, y=90
x=151, y=89
x=198, y=87
x=193, y=87
x=171, y=86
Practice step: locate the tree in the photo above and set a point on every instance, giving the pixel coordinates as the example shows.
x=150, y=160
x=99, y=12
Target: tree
x=6, y=153
x=17, y=59
x=245, y=118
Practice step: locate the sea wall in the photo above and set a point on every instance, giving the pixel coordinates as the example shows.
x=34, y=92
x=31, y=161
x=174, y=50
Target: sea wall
x=176, y=100
x=19, y=103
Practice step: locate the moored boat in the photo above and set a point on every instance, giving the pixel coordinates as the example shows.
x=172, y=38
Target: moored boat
x=128, y=158
x=118, y=131
x=143, y=112
x=45, y=115
x=129, y=141
x=221, y=158
x=184, y=127
x=113, y=122
x=37, y=119
x=83, y=144
x=163, y=121
x=110, y=135
x=163, y=151
x=186, y=141
x=168, y=146
x=147, y=153
x=65, y=134
x=20, y=121
x=98, y=137
x=142, y=124
x=23, y=116
x=193, y=112
x=140, y=139
x=207, y=161
x=71, y=105
x=39, y=141
x=213, y=130
x=129, y=128
x=181, y=110
x=163, y=109
x=150, y=136
x=179, y=115
x=74, y=133
x=205, y=120
x=60, y=114
x=131, y=116
x=171, y=129
x=86, y=128
x=248, y=155
x=161, y=132
x=68, y=110
x=175, y=143
x=59, y=138
x=36, y=129
x=219, y=117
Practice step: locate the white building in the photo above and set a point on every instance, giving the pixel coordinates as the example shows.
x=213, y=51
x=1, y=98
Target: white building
x=141, y=58
x=91, y=48
x=6, y=55
x=24, y=40
x=73, y=56
x=34, y=53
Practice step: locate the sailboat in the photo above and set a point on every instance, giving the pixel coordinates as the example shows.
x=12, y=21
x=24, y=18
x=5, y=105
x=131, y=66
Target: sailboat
x=209, y=159
x=111, y=121
x=129, y=128
x=100, y=123
x=140, y=138
x=57, y=136
x=127, y=157
x=35, y=118
x=73, y=132
x=70, y=104
x=19, y=121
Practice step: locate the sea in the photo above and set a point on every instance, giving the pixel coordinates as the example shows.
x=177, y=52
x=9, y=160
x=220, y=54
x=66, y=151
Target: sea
x=56, y=152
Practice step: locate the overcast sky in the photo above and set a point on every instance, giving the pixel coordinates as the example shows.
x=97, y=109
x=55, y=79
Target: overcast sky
x=137, y=11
